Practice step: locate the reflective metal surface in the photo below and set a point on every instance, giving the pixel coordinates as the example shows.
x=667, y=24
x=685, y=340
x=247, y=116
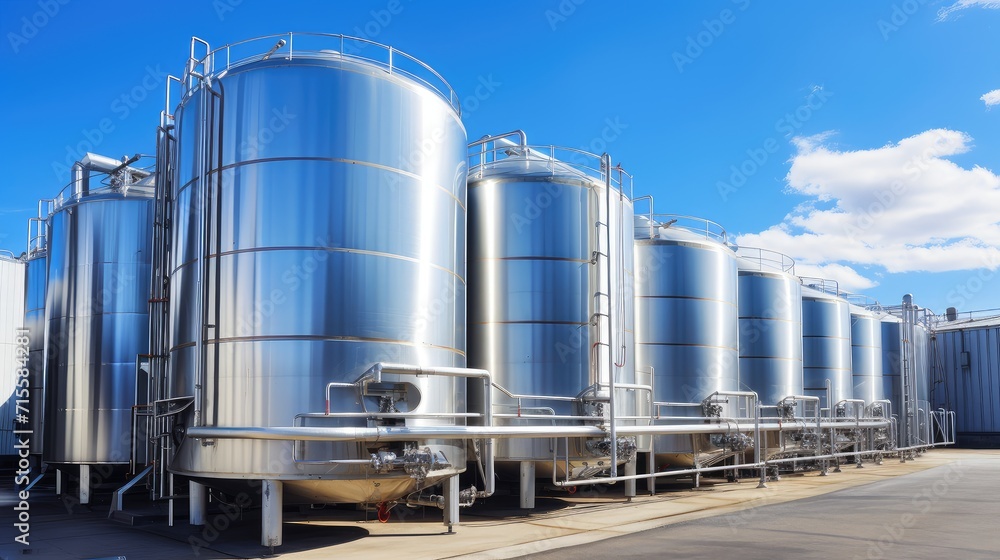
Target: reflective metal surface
x=34, y=321
x=826, y=346
x=538, y=303
x=866, y=355
x=770, y=315
x=335, y=235
x=11, y=319
x=687, y=329
x=96, y=324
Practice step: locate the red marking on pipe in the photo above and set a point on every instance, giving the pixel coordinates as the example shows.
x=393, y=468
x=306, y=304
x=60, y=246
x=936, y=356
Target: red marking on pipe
x=328, y=406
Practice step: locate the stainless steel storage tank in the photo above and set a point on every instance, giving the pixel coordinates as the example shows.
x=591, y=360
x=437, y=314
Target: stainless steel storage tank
x=12, y=351
x=99, y=250
x=826, y=342
x=36, y=265
x=686, y=323
x=892, y=362
x=540, y=307
x=318, y=229
x=770, y=316
x=866, y=355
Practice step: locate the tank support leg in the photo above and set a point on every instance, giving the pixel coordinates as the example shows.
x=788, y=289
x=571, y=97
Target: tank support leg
x=527, y=485
x=650, y=468
x=630, y=468
x=198, y=503
x=84, y=484
x=451, y=491
x=58, y=482
x=270, y=529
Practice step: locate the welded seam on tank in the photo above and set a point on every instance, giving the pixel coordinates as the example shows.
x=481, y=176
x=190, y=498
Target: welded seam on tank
x=502, y=177
x=824, y=336
x=320, y=338
x=725, y=301
x=572, y=323
x=756, y=318
x=686, y=345
x=325, y=249
x=329, y=160
x=556, y=259
x=771, y=358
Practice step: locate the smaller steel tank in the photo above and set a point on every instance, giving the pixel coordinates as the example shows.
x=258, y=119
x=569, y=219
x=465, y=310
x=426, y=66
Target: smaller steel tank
x=826, y=342
x=770, y=319
x=36, y=264
x=96, y=313
x=686, y=326
x=866, y=355
x=550, y=283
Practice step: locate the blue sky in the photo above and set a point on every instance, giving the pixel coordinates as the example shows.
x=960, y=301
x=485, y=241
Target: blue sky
x=860, y=137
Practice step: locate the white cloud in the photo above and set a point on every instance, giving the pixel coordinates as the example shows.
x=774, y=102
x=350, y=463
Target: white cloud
x=902, y=207
x=991, y=98
x=945, y=13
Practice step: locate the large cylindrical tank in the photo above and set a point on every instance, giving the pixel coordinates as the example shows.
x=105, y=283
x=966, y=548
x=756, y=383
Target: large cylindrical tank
x=770, y=316
x=826, y=346
x=34, y=322
x=324, y=233
x=540, y=304
x=687, y=330
x=12, y=351
x=96, y=317
x=866, y=355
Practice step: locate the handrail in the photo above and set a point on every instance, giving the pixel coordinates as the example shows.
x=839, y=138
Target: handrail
x=862, y=300
x=703, y=227
x=767, y=259
x=344, y=47
x=487, y=153
x=824, y=285
x=62, y=198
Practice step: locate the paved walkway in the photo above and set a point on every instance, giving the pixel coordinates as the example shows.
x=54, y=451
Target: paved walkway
x=834, y=513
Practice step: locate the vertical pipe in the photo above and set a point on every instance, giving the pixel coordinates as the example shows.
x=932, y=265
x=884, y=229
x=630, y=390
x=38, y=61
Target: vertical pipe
x=198, y=503
x=451, y=491
x=528, y=484
x=270, y=528
x=606, y=164
x=651, y=467
x=84, y=484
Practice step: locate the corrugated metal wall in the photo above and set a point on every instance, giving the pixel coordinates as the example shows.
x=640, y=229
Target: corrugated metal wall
x=969, y=363
x=11, y=319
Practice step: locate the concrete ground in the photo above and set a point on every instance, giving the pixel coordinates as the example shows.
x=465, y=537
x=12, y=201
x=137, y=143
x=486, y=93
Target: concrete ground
x=942, y=504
